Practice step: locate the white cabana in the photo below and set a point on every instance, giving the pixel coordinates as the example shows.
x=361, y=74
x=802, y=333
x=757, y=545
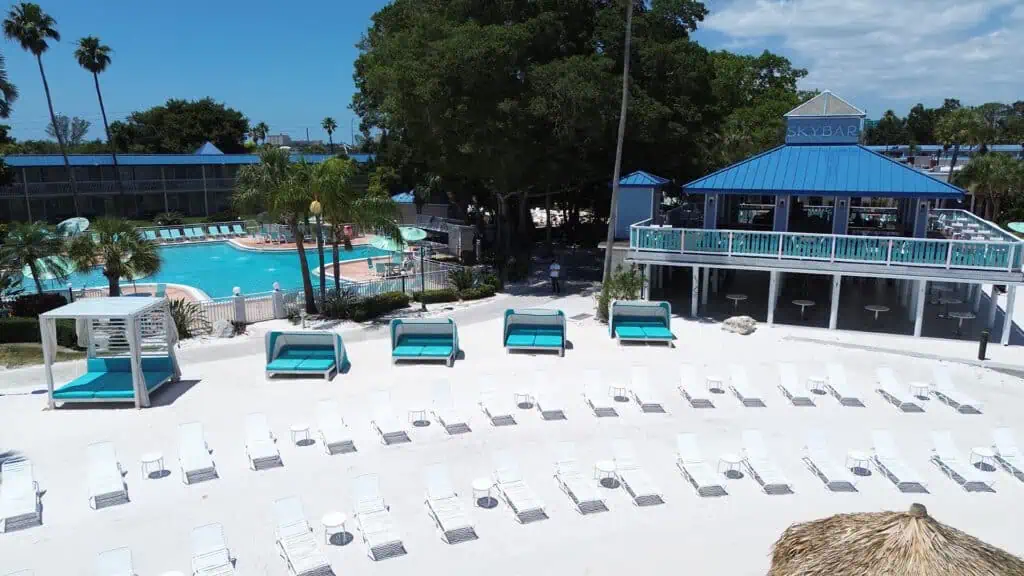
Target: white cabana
x=130, y=349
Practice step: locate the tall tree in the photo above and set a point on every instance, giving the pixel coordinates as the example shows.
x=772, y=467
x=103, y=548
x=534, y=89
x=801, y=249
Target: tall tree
x=29, y=26
x=613, y=207
x=8, y=93
x=890, y=130
x=72, y=130
x=921, y=124
x=330, y=125
x=993, y=178
x=181, y=127
x=259, y=132
x=958, y=127
x=36, y=247
x=94, y=56
x=119, y=248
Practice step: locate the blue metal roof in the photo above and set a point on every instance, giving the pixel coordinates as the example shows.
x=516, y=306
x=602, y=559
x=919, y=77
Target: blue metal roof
x=44, y=160
x=641, y=179
x=404, y=197
x=208, y=148
x=831, y=170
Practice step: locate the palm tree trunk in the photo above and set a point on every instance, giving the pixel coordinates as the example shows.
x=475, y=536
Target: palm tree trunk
x=307, y=285
x=952, y=162
x=320, y=250
x=110, y=142
x=60, y=137
x=610, y=238
x=330, y=139
x=35, y=276
x=113, y=286
x=337, y=265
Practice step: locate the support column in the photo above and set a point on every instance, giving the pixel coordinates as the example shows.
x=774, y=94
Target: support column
x=912, y=311
x=694, y=289
x=773, y=286
x=704, y=287
x=24, y=187
x=547, y=217
x=780, y=222
x=993, y=307
x=977, y=297
x=647, y=282
x=206, y=195
x=919, y=298
x=715, y=277
x=1011, y=293
x=163, y=184
x=833, y=318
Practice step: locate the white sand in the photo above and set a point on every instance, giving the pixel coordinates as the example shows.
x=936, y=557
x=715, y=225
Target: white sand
x=688, y=534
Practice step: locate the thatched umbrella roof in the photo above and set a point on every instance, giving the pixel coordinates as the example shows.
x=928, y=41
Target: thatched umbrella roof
x=887, y=543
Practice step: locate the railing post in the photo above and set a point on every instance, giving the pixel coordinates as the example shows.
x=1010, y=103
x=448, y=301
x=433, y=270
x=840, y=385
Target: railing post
x=834, y=241
x=277, y=302
x=729, y=247
x=238, y=300
x=782, y=241
x=888, y=255
x=949, y=253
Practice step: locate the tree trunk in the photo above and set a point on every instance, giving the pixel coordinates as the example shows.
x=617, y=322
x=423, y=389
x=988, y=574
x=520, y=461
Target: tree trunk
x=331, y=140
x=60, y=137
x=113, y=149
x=524, y=213
x=35, y=276
x=337, y=265
x=547, y=219
x=307, y=286
x=113, y=286
x=320, y=251
x=610, y=237
x=952, y=162
x=996, y=205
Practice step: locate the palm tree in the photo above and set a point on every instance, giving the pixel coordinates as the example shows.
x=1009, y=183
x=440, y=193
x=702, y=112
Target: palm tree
x=610, y=239
x=119, y=248
x=330, y=126
x=959, y=127
x=8, y=91
x=272, y=185
x=29, y=26
x=259, y=132
x=993, y=178
x=36, y=247
x=95, y=57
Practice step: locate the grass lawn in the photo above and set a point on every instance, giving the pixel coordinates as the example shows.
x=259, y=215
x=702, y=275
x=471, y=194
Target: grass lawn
x=16, y=355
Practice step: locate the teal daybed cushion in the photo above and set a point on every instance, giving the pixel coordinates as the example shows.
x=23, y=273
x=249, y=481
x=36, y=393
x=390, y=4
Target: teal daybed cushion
x=303, y=358
x=419, y=345
x=642, y=327
x=108, y=385
x=539, y=336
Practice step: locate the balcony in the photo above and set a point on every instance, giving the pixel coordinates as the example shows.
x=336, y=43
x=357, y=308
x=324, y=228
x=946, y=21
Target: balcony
x=109, y=187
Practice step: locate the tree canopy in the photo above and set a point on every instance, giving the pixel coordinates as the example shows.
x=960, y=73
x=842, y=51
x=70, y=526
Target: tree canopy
x=182, y=126
x=991, y=123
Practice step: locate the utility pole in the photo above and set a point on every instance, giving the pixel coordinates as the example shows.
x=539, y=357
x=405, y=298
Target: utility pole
x=307, y=135
x=610, y=239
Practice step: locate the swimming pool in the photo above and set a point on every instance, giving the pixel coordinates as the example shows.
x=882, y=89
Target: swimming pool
x=217, y=267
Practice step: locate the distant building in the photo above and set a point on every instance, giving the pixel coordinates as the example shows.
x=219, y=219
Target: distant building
x=279, y=140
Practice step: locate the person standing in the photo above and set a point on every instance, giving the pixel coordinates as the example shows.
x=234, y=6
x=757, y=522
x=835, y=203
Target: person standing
x=555, y=271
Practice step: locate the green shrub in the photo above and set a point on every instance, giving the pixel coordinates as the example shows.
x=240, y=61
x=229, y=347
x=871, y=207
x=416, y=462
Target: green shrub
x=460, y=279
x=337, y=306
x=222, y=216
x=623, y=285
x=374, y=306
x=17, y=330
x=482, y=291
x=435, y=296
x=489, y=278
x=189, y=318
x=168, y=219
x=32, y=305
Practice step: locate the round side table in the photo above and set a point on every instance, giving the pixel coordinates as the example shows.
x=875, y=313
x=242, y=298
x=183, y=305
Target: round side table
x=857, y=459
x=152, y=462
x=300, y=433
x=729, y=463
x=482, y=489
x=333, y=523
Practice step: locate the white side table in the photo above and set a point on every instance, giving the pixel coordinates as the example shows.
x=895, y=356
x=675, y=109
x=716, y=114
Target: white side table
x=803, y=304
x=817, y=384
x=920, y=389
x=618, y=391
x=417, y=415
x=713, y=382
x=300, y=433
x=983, y=455
x=857, y=459
x=482, y=489
x=333, y=523
x=152, y=462
x=729, y=463
x=522, y=397
x=736, y=299
x=604, y=470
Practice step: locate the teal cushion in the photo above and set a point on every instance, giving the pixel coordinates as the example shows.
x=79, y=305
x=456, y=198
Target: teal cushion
x=322, y=353
x=437, y=351
x=659, y=332
x=407, y=351
x=547, y=330
x=425, y=340
x=548, y=340
x=73, y=394
x=520, y=339
x=292, y=353
x=284, y=364
x=154, y=378
x=626, y=331
x=317, y=364
x=520, y=329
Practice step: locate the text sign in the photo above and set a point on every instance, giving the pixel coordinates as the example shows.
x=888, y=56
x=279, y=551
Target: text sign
x=822, y=130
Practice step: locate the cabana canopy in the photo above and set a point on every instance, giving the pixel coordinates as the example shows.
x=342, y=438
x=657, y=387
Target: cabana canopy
x=130, y=349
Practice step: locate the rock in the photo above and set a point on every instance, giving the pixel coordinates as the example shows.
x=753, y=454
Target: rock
x=222, y=329
x=740, y=325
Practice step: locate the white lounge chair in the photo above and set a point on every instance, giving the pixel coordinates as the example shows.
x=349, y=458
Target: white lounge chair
x=106, y=478
x=210, y=554
x=947, y=391
x=548, y=399
x=373, y=517
x=1008, y=454
x=116, y=562
x=696, y=394
x=890, y=463
x=789, y=384
x=445, y=508
x=819, y=460
x=597, y=395
x=295, y=541
x=497, y=411
x=895, y=394
x=634, y=479
x=335, y=435
x=385, y=423
x=946, y=456
x=447, y=414
x=260, y=444
x=747, y=393
x=194, y=454
x=19, y=496
x=519, y=497
x=697, y=472
x=585, y=496
x=640, y=390
x=841, y=388
x=761, y=466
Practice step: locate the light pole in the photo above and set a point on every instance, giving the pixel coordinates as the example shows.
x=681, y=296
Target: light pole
x=315, y=209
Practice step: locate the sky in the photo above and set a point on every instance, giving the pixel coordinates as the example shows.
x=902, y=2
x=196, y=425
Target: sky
x=290, y=65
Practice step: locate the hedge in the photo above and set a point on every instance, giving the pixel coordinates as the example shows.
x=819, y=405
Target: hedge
x=17, y=330
x=482, y=291
x=435, y=296
x=32, y=305
x=373, y=306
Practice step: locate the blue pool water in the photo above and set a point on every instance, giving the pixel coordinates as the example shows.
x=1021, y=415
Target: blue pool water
x=217, y=267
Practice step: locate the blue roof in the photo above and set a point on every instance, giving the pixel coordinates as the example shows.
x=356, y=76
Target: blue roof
x=1006, y=148
x=208, y=148
x=42, y=160
x=641, y=179
x=830, y=170
x=404, y=198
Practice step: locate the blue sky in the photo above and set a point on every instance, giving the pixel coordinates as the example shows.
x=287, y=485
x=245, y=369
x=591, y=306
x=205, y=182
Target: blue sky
x=290, y=64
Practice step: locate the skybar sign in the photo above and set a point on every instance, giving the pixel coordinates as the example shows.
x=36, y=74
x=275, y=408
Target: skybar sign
x=822, y=130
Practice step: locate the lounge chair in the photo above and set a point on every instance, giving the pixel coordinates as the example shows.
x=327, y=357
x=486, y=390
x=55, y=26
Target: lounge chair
x=698, y=396
x=947, y=391
x=224, y=231
x=106, y=478
x=214, y=232
x=634, y=479
x=846, y=393
x=237, y=230
x=745, y=392
x=597, y=395
x=176, y=235
x=335, y=435
x=497, y=412
x=373, y=517
x=789, y=384
x=704, y=479
x=165, y=235
x=260, y=444
x=548, y=397
x=889, y=462
x=447, y=414
x=579, y=488
x=640, y=391
x=287, y=237
x=150, y=235
x=445, y=508
x=19, y=496
x=116, y=562
x=761, y=466
x=1008, y=454
x=947, y=457
x=893, y=393
x=210, y=554
x=385, y=423
x=519, y=497
x=194, y=454
x=818, y=459
x=189, y=234
x=197, y=231
x=295, y=540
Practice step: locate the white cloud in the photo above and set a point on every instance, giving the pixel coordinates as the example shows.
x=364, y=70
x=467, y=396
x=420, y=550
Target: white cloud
x=890, y=50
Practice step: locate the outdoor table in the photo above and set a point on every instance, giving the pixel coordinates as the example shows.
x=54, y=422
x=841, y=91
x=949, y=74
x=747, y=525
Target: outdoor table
x=877, y=309
x=920, y=389
x=523, y=397
x=333, y=523
x=298, y=430
x=714, y=382
x=960, y=317
x=618, y=390
x=730, y=461
x=983, y=455
x=417, y=414
x=817, y=384
x=736, y=298
x=152, y=462
x=482, y=489
x=803, y=304
x=604, y=470
x=946, y=301
x=857, y=459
